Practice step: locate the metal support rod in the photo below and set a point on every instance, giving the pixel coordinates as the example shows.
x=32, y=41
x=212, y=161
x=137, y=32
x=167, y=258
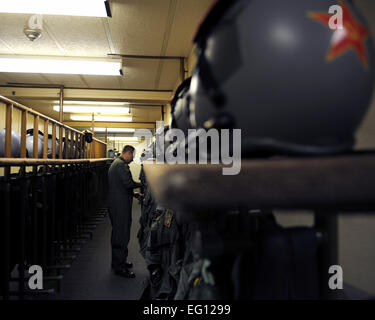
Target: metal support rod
x=8, y=130
x=6, y=237
x=53, y=217
x=328, y=251
x=61, y=111
x=54, y=141
x=22, y=226
x=79, y=146
x=76, y=138
x=93, y=124
x=60, y=142
x=66, y=141
x=36, y=136
x=23, y=133
x=44, y=217
x=34, y=216
x=71, y=153
x=182, y=69
x=45, y=142
x=83, y=147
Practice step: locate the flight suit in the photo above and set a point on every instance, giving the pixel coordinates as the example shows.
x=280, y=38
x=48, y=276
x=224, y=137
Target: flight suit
x=163, y=256
x=120, y=200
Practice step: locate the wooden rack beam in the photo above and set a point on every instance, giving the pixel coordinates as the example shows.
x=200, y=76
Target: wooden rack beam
x=343, y=182
x=16, y=162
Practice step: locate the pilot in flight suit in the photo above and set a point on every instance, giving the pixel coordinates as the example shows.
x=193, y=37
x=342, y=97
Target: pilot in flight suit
x=120, y=200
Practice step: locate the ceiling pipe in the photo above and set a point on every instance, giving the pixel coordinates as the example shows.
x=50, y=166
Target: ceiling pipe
x=130, y=56
x=61, y=111
x=54, y=86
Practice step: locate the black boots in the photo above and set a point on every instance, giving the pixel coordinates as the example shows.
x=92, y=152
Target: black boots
x=126, y=273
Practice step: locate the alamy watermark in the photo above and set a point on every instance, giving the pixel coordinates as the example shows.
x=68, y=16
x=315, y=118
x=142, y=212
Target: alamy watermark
x=35, y=22
x=36, y=280
x=200, y=146
x=336, y=281
x=337, y=20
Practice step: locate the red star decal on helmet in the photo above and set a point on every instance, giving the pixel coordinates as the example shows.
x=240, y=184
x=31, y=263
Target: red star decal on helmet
x=352, y=36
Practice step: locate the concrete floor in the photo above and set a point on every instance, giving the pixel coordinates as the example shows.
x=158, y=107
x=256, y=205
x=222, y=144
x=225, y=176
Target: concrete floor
x=91, y=278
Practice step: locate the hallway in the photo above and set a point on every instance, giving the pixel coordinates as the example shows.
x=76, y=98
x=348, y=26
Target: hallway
x=90, y=277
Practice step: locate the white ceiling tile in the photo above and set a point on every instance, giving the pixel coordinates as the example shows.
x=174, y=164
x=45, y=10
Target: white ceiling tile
x=24, y=78
x=5, y=48
x=169, y=75
x=102, y=81
x=79, y=36
x=189, y=14
x=138, y=26
x=146, y=114
x=65, y=80
x=4, y=78
x=139, y=74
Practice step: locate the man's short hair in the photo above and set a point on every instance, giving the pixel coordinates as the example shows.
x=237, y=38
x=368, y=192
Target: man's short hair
x=128, y=148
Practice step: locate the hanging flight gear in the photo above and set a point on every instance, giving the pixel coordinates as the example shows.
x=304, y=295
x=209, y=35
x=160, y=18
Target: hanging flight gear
x=162, y=254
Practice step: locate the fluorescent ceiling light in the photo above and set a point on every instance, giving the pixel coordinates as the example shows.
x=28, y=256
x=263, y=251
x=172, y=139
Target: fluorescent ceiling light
x=101, y=118
x=93, y=109
x=133, y=139
x=90, y=8
x=61, y=65
x=124, y=130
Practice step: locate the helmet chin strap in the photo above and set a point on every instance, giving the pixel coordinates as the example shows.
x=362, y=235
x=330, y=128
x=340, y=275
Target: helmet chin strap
x=208, y=80
x=182, y=89
x=222, y=119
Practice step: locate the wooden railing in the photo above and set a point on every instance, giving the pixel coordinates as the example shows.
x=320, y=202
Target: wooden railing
x=79, y=149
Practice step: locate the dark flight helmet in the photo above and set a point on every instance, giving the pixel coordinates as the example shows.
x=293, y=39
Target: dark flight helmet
x=50, y=151
x=15, y=144
x=277, y=71
x=30, y=143
x=180, y=107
